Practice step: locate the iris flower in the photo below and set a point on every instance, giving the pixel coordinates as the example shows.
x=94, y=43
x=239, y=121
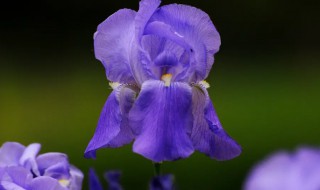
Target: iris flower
x=287, y=171
x=156, y=60
x=22, y=169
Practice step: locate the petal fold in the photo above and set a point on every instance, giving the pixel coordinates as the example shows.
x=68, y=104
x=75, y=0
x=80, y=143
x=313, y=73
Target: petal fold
x=208, y=136
x=193, y=29
x=161, y=118
x=112, y=45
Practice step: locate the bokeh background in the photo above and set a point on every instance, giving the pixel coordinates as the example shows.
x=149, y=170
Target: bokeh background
x=265, y=84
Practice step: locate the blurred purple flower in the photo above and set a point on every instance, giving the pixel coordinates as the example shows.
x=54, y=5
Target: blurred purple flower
x=22, y=169
x=157, y=60
x=113, y=178
x=287, y=171
x=163, y=182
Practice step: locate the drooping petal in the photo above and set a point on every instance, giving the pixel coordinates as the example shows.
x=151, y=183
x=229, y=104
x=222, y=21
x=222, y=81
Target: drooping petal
x=112, y=45
x=113, y=179
x=208, y=136
x=193, y=29
x=164, y=182
x=45, y=182
x=10, y=154
x=94, y=182
x=161, y=119
x=113, y=129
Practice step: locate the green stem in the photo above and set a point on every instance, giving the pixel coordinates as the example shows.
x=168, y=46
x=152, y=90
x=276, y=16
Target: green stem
x=157, y=167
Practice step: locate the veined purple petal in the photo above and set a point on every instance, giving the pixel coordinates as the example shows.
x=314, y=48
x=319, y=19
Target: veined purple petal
x=94, y=182
x=112, y=45
x=193, y=29
x=208, y=136
x=113, y=179
x=113, y=129
x=45, y=182
x=10, y=154
x=146, y=10
x=164, y=182
x=161, y=119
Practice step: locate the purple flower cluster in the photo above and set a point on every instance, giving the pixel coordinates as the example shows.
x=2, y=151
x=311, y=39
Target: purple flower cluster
x=22, y=169
x=163, y=182
x=287, y=171
x=157, y=60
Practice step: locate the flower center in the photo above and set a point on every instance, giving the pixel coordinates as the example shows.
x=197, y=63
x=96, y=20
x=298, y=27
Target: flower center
x=64, y=182
x=166, y=78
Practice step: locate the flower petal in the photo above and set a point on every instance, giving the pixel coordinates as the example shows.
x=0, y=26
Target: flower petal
x=76, y=178
x=161, y=118
x=28, y=158
x=55, y=165
x=146, y=10
x=113, y=129
x=45, y=182
x=19, y=175
x=208, y=135
x=10, y=154
x=94, y=182
x=8, y=185
x=193, y=29
x=112, y=45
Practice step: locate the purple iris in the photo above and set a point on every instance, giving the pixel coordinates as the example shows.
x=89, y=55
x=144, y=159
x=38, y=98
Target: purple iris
x=22, y=169
x=157, y=60
x=287, y=171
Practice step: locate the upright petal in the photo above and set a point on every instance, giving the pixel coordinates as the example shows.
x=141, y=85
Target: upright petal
x=208, y=135
x=112, y=45
x=146, y=10
x=94, y=182
x=28, y=158
x=193, y=29
x=10, y=154
x=161, y=119
x=113, y=129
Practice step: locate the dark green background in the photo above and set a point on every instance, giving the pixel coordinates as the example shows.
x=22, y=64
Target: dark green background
x=265, y=84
